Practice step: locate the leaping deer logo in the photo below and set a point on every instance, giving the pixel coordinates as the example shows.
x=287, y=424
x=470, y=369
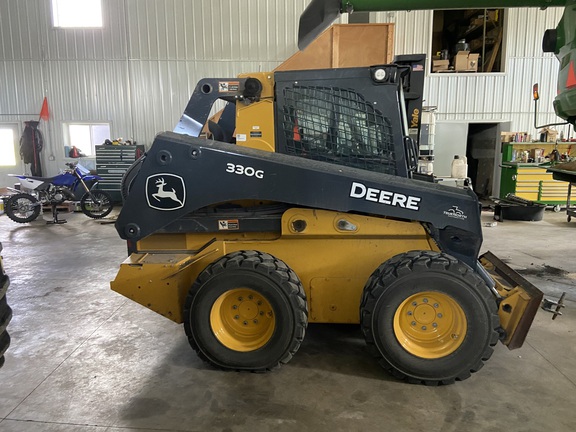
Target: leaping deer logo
x=160, y=183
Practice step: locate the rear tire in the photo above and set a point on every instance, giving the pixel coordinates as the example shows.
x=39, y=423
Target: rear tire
x=429, y=318
x=98, y=207
x=5, y=312
x=22, y=208
x=246, y=311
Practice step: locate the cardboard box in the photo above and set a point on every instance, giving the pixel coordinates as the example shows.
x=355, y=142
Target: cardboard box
x=473, y=62
x=507, y=137
x=439, y=65
x=548, y=135
x=464, y=61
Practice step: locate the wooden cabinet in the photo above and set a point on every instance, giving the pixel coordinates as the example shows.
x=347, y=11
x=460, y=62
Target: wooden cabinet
x=346, y=45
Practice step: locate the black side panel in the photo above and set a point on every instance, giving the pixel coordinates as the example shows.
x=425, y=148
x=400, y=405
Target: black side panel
x=182, y=174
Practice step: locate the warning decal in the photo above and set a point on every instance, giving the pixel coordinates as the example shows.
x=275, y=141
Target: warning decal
x=228, y=86
x=228, y=225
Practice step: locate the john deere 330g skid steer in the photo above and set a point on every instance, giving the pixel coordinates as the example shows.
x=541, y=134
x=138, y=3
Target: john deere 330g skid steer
x=305, y=209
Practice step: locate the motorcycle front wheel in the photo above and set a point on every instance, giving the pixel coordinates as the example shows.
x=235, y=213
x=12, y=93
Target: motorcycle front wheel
x=96, y=204
x=22, y=208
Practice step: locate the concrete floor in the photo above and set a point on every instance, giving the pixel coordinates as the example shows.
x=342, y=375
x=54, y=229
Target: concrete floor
x=84, y=358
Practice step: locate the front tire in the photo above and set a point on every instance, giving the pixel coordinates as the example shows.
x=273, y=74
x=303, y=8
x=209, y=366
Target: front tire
x=96, y=204
x=429, y=318
x=246, y=311
x=22, y=208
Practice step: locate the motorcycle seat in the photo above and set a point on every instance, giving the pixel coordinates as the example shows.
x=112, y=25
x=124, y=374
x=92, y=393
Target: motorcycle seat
x=43, y=179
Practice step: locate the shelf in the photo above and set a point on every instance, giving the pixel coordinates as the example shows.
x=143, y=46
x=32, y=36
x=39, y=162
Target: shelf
x=472, y=30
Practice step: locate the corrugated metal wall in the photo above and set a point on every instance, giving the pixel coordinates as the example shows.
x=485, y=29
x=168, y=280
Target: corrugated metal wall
x=503, y=96
x=139, y=71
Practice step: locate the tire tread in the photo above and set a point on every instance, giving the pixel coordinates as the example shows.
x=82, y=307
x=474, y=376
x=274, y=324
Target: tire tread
x=405, y=263
x=267, y=265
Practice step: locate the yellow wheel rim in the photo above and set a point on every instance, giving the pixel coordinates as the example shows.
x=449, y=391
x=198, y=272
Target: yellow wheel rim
x=242, y=320
x=430, y=325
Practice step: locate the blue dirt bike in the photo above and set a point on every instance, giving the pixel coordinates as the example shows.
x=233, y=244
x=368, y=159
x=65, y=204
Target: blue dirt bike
x=25, y=206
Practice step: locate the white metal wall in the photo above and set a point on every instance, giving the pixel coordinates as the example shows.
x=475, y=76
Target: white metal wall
x=139, y=71
x=480, y=97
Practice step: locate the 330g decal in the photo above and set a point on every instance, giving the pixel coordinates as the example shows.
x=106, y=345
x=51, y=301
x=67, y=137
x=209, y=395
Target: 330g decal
x=242, y=170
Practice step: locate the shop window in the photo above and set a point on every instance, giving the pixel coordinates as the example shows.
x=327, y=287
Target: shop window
x=82, y=137
x=77, y=14
x=7, y=146
x=480, y=32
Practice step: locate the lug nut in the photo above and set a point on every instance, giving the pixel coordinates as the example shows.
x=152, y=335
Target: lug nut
x=435, y=305
x=255, y=321
x=434, y=325
x=236, y=317
x=439, y=315
x=409, y=313
x=234, y=307
x=413, y=323
x=414, y=304
x=259, y=303
x=245, y=323
x=425, y=300
x=423, y=327
x=261, y=313
x=240, y=299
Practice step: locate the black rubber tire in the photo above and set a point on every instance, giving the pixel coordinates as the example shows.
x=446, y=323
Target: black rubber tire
x=268, y=276
x=407, y=274
x=105, y=200
x=5, y=313
x=16, y=204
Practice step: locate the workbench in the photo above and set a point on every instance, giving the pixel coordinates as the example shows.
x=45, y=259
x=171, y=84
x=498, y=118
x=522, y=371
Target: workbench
x=532, y=182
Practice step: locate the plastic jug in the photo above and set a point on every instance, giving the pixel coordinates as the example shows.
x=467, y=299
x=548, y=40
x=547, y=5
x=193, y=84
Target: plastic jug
x=459, y=167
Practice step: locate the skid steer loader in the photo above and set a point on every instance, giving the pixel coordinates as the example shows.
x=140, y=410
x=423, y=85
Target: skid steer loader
x=305, y=208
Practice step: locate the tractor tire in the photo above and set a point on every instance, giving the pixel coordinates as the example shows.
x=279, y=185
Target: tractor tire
x=22, y=208
x=101, y=207
x=5, y=312
x=429, y=318
x=246, y=311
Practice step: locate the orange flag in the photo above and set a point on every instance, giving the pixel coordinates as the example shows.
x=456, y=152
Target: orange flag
x=44, y=113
